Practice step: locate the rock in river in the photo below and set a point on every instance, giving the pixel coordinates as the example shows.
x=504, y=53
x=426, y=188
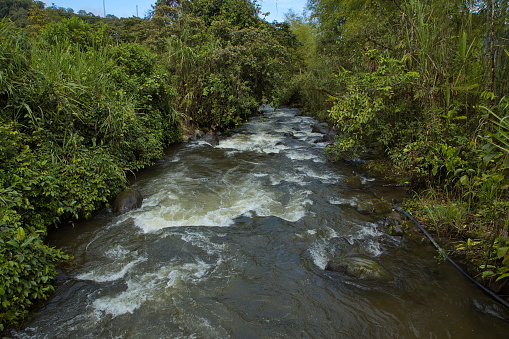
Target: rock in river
x=374, y=206
x=127, y=200
x=359, y=267
x=321, y=127
x=211, y=138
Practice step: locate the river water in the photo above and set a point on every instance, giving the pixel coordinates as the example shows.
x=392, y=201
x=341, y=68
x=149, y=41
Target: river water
x=232, y=241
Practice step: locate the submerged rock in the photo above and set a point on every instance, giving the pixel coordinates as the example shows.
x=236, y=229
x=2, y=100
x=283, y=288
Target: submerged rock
x=354, y=181
x=374, y=206
x=359, y=267
x=127, y=200
x=491, y=307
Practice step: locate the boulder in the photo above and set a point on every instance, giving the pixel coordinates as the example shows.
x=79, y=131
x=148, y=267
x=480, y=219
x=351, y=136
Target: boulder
x=359, y=267
x=354, y=181
x=326, y=138
x=321, y=127
x=197, y=134
x=211, y=138
x=397, y=231
x=393, y=223
x=127, y=200
x=374, y=206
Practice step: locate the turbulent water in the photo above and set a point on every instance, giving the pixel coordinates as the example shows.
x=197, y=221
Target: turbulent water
x=232, y=241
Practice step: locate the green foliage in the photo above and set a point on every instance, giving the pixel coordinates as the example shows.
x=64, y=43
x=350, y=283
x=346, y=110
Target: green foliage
x=223, y=71
x=500, y=138
x=75, y=31
x=367, y=113
x=27, y=268
x=236, y=13
x=17, y=10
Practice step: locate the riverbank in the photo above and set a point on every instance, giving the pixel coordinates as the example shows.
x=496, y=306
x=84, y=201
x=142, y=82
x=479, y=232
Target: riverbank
x=465, y=231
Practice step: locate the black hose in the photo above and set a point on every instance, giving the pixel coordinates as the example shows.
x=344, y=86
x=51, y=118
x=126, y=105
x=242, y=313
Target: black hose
x=442, y=252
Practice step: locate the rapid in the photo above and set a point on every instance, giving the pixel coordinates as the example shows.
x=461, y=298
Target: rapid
x=232, y=241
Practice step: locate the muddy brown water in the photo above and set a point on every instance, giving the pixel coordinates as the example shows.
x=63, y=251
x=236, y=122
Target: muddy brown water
x=232, y=241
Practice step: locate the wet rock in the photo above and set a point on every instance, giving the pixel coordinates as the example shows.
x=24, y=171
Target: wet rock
x=397, y=231
x=266, y=108
x=342, y=247
x=491, y=307
x=328, y=137
x=359, y=267
x=353, y=182
x=374, y=206
x=321, y=127
x=197, y=134
x=325, y=138
x=127, y=200
x=211, y=138
x=393, y=224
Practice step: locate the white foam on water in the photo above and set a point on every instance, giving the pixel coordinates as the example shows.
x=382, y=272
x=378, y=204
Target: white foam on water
x=332, y=233
x=319, y=255
x=343, y=201
x=259, y=143
x=111, y=271
x=117, y=252
x=370, y=232
x=320, y=251
x=172, y=278
x=200, y=240
x=219, y=206
x=127, y=301
x=151, y=286
x=365, y=180
x=296, y=178
x=326, y=178
x=304, y=156
x=374, y=248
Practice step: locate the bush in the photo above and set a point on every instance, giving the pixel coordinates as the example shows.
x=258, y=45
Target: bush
x=376, y=108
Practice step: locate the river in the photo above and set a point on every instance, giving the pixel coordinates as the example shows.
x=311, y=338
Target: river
x=232, y=241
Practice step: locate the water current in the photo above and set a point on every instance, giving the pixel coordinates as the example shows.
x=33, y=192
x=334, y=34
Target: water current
x=232, y=241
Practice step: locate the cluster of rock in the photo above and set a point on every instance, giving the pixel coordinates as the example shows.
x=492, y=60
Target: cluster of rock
x=354, y=264
x=329, y=133
x=210, y=137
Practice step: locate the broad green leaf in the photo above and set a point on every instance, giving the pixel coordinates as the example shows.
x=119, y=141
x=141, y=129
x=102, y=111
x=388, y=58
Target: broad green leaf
x=501, y=251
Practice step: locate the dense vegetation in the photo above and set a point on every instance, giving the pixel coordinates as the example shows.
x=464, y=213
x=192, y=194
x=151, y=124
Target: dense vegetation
x=423, y=84
x=86, y=99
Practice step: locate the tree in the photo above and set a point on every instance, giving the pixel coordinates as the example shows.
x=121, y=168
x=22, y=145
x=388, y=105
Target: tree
x=18, y=10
